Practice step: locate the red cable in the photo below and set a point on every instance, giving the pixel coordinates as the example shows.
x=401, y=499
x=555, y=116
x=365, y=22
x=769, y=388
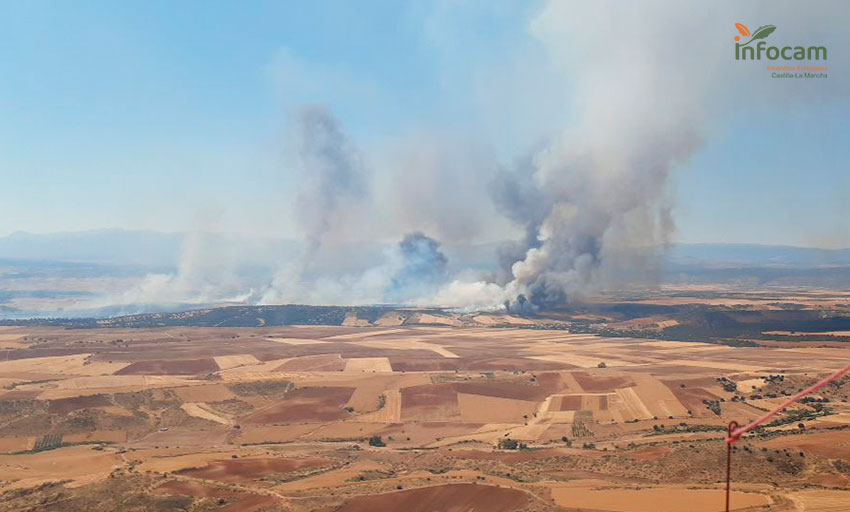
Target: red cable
x=736, y=434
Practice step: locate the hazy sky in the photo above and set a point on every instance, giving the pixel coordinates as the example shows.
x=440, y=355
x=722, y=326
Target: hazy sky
x=164, y=115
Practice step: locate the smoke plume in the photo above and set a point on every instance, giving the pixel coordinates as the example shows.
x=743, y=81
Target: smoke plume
x=332, y=181
x=332, y=175
x=591, y=206
x=593, y=203
x=422, y=269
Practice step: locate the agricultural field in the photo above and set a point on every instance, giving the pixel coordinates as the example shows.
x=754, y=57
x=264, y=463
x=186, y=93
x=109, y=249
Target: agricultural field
x=431, y=412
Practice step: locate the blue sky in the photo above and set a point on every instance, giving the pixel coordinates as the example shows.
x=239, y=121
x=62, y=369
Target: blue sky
x=158, y=115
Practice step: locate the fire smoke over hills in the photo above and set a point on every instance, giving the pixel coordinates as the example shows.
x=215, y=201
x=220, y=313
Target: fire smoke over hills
x=590, y=206
x=592, y=203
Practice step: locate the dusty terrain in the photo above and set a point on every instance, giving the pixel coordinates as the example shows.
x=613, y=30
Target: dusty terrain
x=435, y=412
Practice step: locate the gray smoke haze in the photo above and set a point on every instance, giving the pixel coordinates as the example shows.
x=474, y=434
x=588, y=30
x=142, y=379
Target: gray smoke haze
x=594, y=204
x=332, y=175
x=422, y=269
x=332, y=181
x=517, y=197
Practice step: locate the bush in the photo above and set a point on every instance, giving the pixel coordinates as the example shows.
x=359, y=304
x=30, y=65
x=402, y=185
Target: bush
x=508, y=444
x=376, y=441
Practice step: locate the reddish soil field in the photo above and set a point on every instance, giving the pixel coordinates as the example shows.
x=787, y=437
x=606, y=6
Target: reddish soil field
x=519, y=389
x=428, y=395
x=11, y=396
x=514, y=390
x=442, y=364
x=306, y=404
x=245, y=470
x=599, y=383
x=515, y=364
x=430, y=402
x=445, y=498
x=240, y=502
x=570, y=403
x=170, y=367
x=27, y=353
x=66, y=405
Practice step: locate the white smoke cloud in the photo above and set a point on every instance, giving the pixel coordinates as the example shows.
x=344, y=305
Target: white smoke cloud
x=333, y=183
x=645, y=88
x=644, y=84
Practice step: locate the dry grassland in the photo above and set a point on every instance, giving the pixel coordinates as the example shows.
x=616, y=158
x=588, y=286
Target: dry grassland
x=490, y=409
x=368, y=365
x=227, y=362
x=282, y=396
x=201, y=410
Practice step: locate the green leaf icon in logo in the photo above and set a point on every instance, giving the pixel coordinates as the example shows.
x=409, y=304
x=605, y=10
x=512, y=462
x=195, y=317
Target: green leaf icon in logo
x=761, y=33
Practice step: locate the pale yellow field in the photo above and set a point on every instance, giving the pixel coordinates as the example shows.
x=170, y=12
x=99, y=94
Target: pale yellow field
x=351, y=320
x=657, y=397
x=368, y=364
x=16, y=444
x=204, y=393
x=490, y=409
x=12, y=344
x=260, y=371
x=501, y=319
x=333, y=478
x=345, y=430
x=716, y=364
x=406, y=344
x=201, y=410
x=749, y=385
x=77, y=386
x=365, y=334
x=654, y=500
x=80, y=464
x=390, y=320
x=61, y=365
x=581, y=361
x=389, y=413
x=297, y=341
x=227, y=362
x=674, y=344
x=821, y=501
x=275, y=434
x=631, y=404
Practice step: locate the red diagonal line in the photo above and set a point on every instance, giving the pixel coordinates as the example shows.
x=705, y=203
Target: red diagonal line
x=738, y=432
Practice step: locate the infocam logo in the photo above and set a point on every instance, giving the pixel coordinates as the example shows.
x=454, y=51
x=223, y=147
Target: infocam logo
x=750, y=51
